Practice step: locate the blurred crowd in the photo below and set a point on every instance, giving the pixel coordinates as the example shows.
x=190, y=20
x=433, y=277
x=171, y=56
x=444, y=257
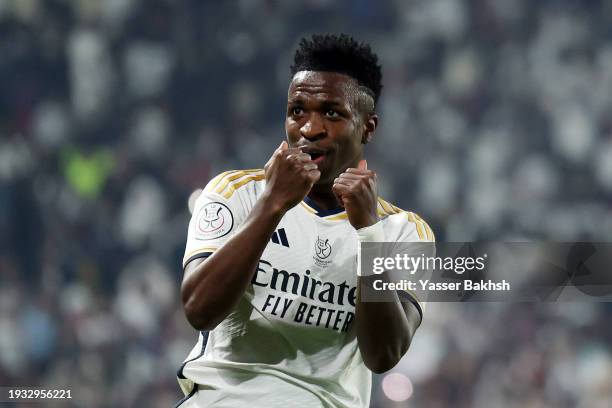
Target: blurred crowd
x=495, y=124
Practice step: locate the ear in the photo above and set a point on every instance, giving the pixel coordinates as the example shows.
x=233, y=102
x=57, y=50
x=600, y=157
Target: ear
x=369, y=127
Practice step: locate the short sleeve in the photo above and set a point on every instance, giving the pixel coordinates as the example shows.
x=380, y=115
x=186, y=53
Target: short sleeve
x=412, y=228
x=413, y=236
x=218, y=212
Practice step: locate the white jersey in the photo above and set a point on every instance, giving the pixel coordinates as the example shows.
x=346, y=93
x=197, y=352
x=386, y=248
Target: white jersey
x=291, y=340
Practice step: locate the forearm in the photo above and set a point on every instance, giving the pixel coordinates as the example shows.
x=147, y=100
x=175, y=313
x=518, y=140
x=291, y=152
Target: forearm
x=384, y=328
x=212, y=288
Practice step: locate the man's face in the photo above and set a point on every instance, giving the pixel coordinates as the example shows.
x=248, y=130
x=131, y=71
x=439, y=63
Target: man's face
x=324, y=119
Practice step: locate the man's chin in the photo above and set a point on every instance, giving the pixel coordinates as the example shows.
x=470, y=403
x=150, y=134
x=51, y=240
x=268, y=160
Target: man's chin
x=326, y=179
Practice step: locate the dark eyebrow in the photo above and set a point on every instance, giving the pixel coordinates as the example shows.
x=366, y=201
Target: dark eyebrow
x=299, y=99
x=327, y=104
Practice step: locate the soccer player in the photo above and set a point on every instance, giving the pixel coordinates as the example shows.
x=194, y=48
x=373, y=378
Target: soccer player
x=271, y=258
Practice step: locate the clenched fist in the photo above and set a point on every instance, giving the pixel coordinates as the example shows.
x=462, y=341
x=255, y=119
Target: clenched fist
x=290, y=174
x=356, y=190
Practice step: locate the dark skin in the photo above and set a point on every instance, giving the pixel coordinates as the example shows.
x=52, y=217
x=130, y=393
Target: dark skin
x=329, y=119
x=324, y=116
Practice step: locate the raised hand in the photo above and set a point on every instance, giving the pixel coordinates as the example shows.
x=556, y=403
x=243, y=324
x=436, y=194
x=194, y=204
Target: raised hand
x=356, y=190
x=290, y=174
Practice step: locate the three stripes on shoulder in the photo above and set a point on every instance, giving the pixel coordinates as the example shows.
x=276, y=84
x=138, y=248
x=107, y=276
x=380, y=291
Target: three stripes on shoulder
x=226, y=184
x=423, y=229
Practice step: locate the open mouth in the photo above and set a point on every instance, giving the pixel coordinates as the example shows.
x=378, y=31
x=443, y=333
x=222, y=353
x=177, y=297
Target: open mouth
x=316, y=155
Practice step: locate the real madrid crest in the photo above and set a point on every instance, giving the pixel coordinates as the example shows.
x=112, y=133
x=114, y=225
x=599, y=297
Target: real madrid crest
x=323, y=250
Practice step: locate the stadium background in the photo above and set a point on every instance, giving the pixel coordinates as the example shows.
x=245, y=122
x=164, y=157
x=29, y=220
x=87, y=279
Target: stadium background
x=496, y=124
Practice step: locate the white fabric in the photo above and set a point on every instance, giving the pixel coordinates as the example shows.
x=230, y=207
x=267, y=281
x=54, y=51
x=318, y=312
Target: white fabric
x=373, y=233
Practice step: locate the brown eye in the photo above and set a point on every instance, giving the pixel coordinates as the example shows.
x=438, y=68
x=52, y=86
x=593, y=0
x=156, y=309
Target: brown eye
x=331, y=113
x=296, y=110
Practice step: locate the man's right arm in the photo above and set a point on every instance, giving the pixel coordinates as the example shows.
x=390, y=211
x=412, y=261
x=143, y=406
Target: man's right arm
x=213, y=286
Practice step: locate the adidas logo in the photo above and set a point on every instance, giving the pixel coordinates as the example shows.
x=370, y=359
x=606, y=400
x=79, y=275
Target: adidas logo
x=279, y=237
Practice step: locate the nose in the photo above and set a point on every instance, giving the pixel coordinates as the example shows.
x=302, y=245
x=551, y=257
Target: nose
x=313, y=128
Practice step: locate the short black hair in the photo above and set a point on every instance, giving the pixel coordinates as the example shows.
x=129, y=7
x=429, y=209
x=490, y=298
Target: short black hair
x=343, y=54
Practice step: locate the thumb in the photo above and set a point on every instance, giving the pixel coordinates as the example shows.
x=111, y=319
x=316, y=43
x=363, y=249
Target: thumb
x=363, y=164
x=283, y=145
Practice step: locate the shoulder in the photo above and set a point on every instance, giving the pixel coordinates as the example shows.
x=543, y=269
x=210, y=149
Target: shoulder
x=228, y=183
x=404, y=224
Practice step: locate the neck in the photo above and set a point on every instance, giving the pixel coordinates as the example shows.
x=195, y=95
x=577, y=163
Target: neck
x=323, y=196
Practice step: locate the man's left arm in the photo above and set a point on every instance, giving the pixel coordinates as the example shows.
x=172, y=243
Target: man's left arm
x=384, y=328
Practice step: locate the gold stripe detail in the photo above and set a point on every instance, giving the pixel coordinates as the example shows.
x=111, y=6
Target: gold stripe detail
x=205, y=249
x=308, y=208
x=420, y=222
x=336, y=217
x=428, y=230
x=231, y=189
x=216, y=180
x=198, y=251
x=423, y=229
x=379, y=208
x=386, y=207
x=389, y=208
x=418, y=225
x=233, y=176
x=227, y=179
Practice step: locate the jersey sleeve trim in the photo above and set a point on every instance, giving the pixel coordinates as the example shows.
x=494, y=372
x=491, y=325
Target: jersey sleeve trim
x=412, y=298
x=198, y=253
x=197, y=256
x=188, y=396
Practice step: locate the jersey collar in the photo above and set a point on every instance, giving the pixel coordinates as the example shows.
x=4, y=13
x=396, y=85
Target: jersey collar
x=318, y=211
